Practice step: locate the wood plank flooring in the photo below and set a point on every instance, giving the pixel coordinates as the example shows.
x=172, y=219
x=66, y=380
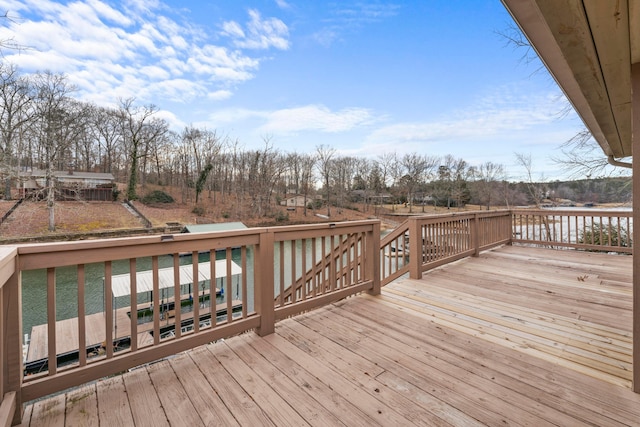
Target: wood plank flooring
x=517, y=336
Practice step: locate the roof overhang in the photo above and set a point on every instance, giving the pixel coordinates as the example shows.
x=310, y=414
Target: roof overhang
x=589, y=47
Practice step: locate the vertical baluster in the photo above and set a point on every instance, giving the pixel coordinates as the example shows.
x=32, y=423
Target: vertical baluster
x=314, y=268
x=108, y=302
x=229, y=286
x=314, y=262
x=177, y=297
x=51, y=320
x=332, y=263
x=337, y=257
x=600, y=231
x=294, y=288
x=303, y=278
x=282, y=274
x=619, y=231
x=213, y=289
x=82, y=337
x=243, y=263
x=323, y=276
x=177, y=305
x=360, y=256
x=347, y=260
x=133, y=303
x=156, y=300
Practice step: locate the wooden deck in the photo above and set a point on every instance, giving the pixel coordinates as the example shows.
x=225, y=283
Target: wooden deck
x=517, y=336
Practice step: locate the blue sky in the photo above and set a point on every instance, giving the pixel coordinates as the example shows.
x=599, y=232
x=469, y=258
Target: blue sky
x=364, y=77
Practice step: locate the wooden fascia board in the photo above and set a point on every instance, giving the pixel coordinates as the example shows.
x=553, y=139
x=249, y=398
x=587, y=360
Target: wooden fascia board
x=586, y=92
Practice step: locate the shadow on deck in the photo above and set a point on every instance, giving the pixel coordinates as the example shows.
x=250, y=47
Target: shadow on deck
x=515, y=336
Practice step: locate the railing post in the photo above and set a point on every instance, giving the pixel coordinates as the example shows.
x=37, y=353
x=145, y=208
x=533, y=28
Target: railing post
x=11, y=334
x=475, y=235
x=415, y=249
x=510, y=227
x=263, y=279
x=372, y=258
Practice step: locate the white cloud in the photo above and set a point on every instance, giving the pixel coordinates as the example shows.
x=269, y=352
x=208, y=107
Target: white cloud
x=495, y=115
x=282, y=4
x=136, y=48
x=219, y=95
x=232, y=29
x=309, y=118
x=316, y=117
x=260, y=33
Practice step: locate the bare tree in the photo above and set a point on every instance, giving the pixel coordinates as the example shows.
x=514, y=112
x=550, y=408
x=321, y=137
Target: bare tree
x=343, y=173
x=307, y=164
x=416, y=170
x=57, y=117
x=325, y=159
x=16, y=110
x=487, y=182
x=536, y=192
x=135, y=124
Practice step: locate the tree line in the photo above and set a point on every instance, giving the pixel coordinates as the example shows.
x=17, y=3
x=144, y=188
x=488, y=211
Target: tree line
x=43, y=126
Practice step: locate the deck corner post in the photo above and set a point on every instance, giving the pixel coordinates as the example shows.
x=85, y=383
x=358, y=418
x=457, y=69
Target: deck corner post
x=475, y=238
x=415, y=249
x=635, y=149
x=11, y=342
x=372, y=258
x=509, y=227
x=264, y=285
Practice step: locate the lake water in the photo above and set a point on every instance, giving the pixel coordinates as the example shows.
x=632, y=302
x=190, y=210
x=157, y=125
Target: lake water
x=34, y=287
x=34, y=283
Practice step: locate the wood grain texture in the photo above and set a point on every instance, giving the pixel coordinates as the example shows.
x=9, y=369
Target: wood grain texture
x=512, y=337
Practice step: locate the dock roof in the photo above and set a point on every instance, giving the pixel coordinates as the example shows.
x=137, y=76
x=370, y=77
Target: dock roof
x=121, y=283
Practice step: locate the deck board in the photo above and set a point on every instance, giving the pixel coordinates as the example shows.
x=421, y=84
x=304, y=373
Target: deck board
x=511, y=337
x=146, y=407
x=82, y=407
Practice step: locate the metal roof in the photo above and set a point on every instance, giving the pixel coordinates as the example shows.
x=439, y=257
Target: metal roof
x=221, y=226
x=121, y=283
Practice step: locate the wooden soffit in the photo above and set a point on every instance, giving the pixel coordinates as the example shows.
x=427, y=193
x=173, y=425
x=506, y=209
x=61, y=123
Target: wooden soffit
x=588, y=46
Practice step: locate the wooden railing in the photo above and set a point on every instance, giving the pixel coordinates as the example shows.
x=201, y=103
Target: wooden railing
x=247, y=267
x=394, y=254
x=596, y=230
x=262, y=274
x=441, y=239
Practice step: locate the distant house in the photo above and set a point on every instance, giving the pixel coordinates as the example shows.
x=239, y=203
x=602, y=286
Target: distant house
x=70, y=184
x=295, y=201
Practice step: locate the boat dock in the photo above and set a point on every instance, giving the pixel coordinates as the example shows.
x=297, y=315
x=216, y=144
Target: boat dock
x=67, y=330
x=95, y=326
